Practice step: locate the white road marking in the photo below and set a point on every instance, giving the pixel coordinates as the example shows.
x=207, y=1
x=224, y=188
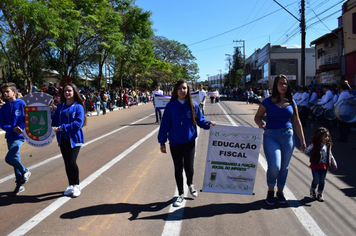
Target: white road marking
x=85, y=144
x=31, y=223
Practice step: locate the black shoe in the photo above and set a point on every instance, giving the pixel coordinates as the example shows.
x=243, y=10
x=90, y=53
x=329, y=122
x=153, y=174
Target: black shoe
x=270, y=198
x=281, y=198
x=312, y=194
x=19, y=188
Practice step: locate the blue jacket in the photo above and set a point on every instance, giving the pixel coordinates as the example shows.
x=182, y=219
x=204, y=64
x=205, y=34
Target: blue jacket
x=176, y=124
x=11, y=115
x=70, y=123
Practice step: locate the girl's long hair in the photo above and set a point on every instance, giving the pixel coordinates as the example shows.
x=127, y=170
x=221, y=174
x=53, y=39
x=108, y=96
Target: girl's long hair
x=317, y=139
x=288, y=95
x=77, y=98
x=187, y=97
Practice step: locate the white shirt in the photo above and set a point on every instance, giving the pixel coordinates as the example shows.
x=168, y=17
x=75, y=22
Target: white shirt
x=296, y=97
x=344, y=95
x=266, y=93
x=202, y=95
x=326, y=101
x=304, y=98
x=335, y=98
x=314, y=98
x=157, y=92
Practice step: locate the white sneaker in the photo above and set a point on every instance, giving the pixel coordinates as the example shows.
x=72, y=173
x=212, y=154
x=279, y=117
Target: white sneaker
x=69, y=191
x=179, y=201
x=193, y=190
x=76, y=191
x=26, y=177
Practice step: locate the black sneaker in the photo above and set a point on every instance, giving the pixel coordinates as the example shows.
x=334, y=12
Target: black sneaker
x=281, y=198
x=19, y=188
x=270, y=198
x=312, y=194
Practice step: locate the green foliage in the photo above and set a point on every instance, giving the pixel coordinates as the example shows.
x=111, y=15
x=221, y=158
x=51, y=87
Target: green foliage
x=82, y=37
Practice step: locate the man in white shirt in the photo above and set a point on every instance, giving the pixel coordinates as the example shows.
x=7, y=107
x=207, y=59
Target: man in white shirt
x=326, y=102
x=202, y=98
x=303, y=105
x=157, y=111
x=265, y=93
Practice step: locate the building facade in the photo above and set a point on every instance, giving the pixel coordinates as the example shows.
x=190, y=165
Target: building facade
x=349, y=38
x=265, y=64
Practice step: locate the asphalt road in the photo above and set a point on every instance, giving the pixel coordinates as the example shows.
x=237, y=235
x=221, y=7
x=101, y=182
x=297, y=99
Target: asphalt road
x=128, y=187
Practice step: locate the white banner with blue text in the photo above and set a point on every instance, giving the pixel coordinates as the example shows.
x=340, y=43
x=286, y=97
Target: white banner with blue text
x=162, y=100
x=232, y=159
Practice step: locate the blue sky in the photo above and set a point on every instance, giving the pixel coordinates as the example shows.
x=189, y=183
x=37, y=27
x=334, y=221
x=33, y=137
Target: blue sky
x=209, y=27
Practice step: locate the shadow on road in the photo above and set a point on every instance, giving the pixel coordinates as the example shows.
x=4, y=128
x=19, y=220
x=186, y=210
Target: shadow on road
x=108, y=209
x=189, y=212
x=19, y=199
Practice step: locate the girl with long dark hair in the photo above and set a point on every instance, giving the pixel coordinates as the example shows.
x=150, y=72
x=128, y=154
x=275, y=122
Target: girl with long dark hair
x=278, y=140
x=179, y=125
x=68, y=121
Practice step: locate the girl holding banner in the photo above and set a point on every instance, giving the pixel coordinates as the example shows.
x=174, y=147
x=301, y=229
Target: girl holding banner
x=278, y=140
x=178, y=125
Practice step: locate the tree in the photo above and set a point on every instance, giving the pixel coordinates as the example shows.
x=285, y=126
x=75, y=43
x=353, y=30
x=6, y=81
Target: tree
x=177, y=54
x=237, y=67
x=26, y=24
x=135, y=53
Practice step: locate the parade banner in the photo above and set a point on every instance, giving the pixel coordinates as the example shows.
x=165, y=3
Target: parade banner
x=196, y=97
x=232, y=159
x=162, y=100
x=38, y=121
x=213, y=94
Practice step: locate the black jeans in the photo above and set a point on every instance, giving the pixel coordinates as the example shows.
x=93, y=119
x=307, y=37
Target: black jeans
x=183, y=157
x=70, y=161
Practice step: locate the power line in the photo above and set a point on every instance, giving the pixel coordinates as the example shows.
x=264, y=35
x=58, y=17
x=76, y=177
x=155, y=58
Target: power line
x=236, y=27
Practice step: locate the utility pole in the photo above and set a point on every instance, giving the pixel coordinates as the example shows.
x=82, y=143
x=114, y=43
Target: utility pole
x=303, y=33
x=302, y=26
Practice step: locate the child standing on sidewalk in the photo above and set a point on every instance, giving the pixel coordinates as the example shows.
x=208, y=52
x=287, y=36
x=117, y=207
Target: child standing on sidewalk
x=12, y=120
x=320, y=160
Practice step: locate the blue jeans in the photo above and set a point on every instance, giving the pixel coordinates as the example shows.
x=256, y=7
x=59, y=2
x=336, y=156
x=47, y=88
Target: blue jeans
x=98, y=108
x=158, y=113
x=13, y=159
x=278, y=145
x=104, y=107
x=319, y=176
